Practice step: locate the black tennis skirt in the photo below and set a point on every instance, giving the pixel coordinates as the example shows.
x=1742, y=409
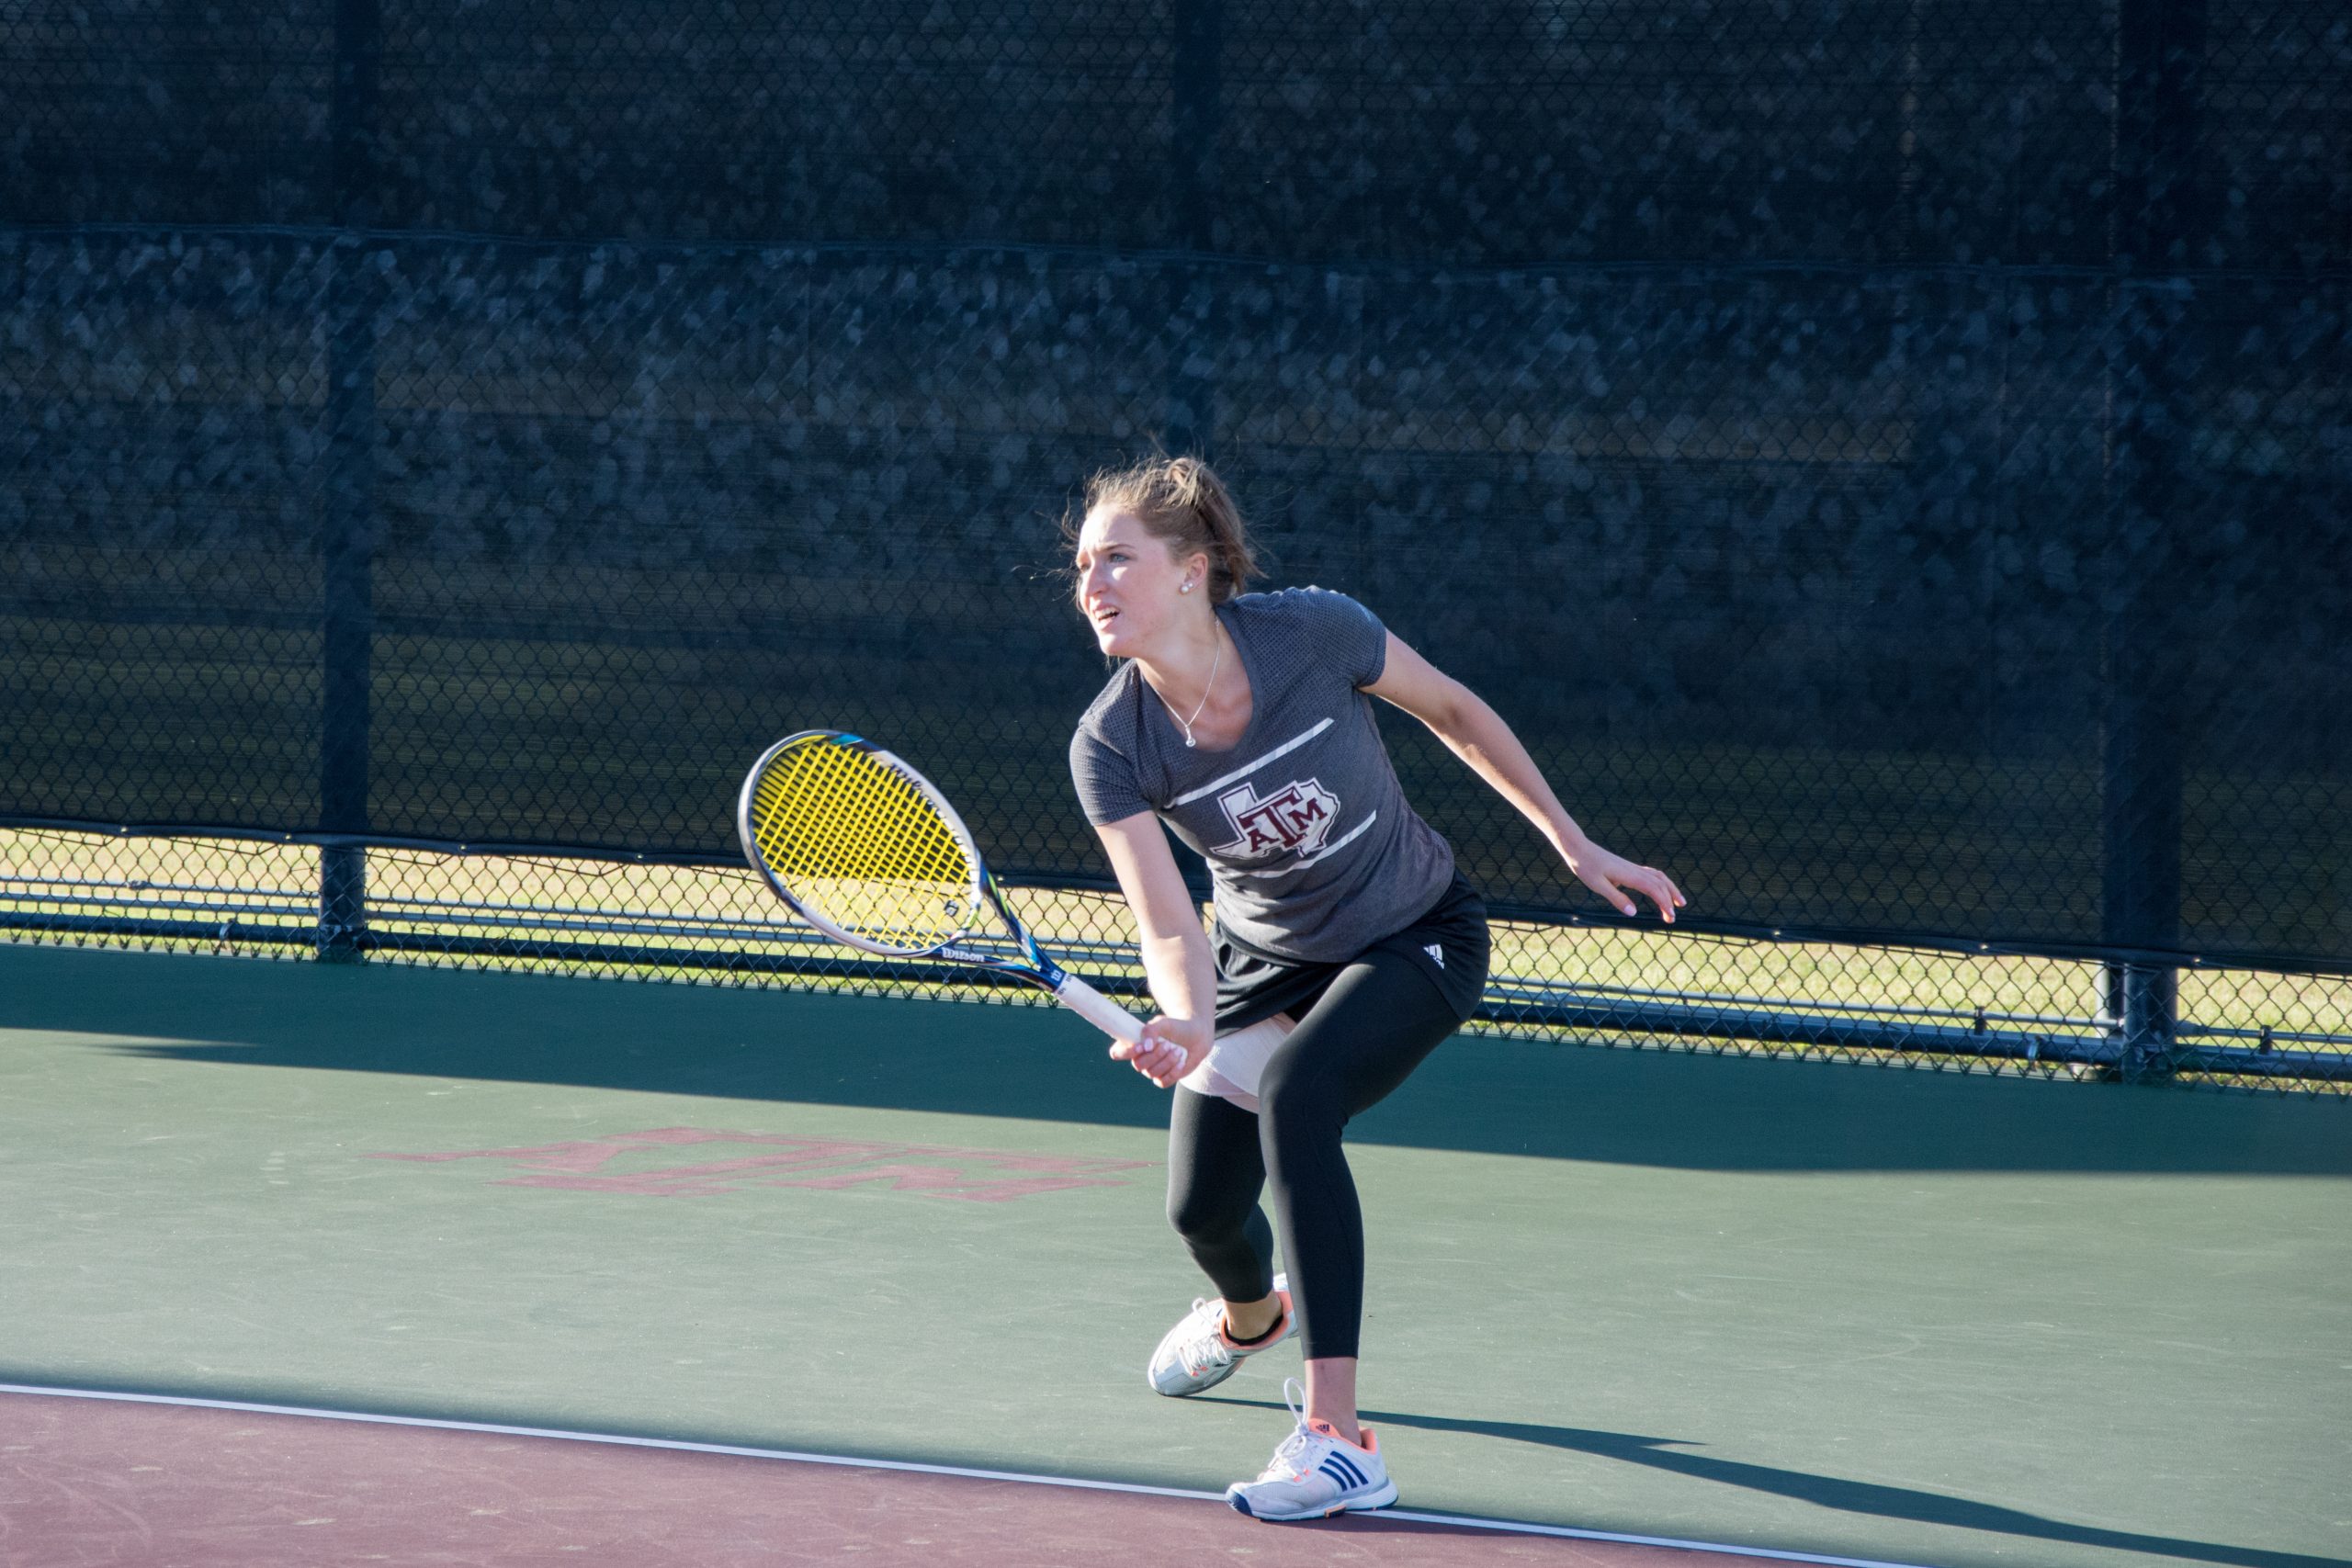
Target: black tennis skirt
x=1449, y=943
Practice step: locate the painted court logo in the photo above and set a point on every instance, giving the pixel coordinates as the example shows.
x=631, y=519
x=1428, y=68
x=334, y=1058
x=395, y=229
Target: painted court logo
x=1298, y=817
x=650, y=1165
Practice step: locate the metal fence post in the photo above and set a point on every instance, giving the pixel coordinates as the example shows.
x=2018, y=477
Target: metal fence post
x=2139, y=1004
x=2160, y=49
x=348, y=530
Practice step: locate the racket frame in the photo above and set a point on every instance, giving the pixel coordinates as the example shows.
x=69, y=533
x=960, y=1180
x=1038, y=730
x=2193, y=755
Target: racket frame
x=1036, y=966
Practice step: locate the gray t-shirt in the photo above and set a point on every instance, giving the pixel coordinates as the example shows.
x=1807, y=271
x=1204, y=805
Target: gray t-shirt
x=1313, y=850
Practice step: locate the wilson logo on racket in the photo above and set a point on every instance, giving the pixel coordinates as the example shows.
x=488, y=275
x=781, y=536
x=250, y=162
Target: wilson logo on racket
x=1298, y=817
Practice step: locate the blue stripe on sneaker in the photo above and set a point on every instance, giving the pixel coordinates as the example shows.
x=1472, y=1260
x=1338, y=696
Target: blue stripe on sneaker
x=1339, y=1467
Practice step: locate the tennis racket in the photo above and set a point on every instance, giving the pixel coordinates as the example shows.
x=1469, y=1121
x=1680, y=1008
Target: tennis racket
x=868, y=851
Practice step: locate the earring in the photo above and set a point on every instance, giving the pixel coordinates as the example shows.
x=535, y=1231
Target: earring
x=1185, y=589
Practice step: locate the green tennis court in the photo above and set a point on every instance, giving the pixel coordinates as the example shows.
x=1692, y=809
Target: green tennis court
x=1926, y=1318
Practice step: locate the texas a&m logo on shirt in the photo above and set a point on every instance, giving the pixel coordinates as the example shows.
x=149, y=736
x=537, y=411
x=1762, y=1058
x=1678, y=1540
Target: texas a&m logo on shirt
x=1297, y=816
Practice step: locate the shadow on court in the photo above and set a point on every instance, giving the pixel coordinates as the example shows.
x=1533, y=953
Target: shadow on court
x=1829, y=1490
x=1646, y=1108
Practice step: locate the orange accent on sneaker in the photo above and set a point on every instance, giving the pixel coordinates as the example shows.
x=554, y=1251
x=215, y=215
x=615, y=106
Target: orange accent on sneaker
x=1370, y=1445
x=1281, y=1325
x=1225, y=1332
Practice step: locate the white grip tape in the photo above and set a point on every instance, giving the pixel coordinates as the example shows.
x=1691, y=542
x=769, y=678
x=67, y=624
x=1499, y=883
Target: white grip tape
x=1098, y=1009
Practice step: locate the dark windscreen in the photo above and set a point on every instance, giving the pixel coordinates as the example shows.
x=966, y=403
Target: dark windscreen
x=1889, y=463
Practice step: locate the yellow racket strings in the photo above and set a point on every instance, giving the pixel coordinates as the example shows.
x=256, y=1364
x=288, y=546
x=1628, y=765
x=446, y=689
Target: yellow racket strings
x=853, y=841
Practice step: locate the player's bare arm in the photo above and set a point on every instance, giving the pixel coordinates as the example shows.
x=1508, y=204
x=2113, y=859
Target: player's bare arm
x=1476, y=733
x=1175, y=951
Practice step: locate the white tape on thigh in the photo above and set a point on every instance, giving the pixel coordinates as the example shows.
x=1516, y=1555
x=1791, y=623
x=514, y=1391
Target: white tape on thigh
x=1236, y=1061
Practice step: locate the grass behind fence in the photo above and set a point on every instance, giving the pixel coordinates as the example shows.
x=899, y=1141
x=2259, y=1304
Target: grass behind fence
x=713, y=925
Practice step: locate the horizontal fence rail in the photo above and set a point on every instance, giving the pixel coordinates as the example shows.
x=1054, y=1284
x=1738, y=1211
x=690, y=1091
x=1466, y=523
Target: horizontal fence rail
x=713, y=923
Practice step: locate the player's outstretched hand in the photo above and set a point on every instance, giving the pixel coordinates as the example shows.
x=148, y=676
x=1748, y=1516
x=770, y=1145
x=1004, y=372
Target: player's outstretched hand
x=1614, y=877
x=1170, y=1048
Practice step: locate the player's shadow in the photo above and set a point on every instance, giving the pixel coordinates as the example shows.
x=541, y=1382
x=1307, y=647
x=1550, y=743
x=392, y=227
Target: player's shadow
x=1829, y=1491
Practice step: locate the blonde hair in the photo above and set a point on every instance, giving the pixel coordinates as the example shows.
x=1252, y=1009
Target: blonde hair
x=1182, y=502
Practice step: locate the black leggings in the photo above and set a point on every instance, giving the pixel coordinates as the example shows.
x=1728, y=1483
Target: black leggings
x=1363, y=1037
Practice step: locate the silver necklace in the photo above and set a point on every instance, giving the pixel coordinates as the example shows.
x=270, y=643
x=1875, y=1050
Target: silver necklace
x=1204, y=692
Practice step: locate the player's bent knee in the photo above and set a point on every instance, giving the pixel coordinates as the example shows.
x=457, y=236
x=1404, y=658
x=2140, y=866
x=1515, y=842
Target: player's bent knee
x=1204, y=1217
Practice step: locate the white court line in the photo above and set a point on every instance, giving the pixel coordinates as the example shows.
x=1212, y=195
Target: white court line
x=1511, y=1527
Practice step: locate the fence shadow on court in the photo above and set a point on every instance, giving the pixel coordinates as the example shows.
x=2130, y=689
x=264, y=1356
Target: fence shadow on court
x=1476, y=1095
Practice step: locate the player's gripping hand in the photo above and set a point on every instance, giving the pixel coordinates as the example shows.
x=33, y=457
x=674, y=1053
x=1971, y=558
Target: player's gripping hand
x=1170, y=1048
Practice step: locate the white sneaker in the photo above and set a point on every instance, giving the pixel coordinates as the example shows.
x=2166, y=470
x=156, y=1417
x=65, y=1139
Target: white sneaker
x=1315, y=1473
x=1196, y=1355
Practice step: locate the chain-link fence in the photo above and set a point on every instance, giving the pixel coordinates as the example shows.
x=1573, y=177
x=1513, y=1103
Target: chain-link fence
x=1890, y=464
x=1585, y=981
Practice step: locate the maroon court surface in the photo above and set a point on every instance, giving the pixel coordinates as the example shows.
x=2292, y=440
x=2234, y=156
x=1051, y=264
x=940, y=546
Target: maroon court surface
x=101, y=1483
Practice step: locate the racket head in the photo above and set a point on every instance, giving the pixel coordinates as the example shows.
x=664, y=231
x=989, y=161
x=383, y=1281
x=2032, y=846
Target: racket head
x=861, y=845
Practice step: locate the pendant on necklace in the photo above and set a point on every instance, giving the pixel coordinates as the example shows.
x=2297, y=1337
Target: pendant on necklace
x=1202, y=707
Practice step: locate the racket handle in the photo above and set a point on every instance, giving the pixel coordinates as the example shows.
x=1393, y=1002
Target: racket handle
x=1098, y=1009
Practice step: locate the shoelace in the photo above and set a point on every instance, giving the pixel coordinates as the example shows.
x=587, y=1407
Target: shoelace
x=1206, y=1350
x=1289, y=1461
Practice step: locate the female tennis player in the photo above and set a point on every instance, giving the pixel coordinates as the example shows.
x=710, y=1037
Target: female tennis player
x=1345, y=944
